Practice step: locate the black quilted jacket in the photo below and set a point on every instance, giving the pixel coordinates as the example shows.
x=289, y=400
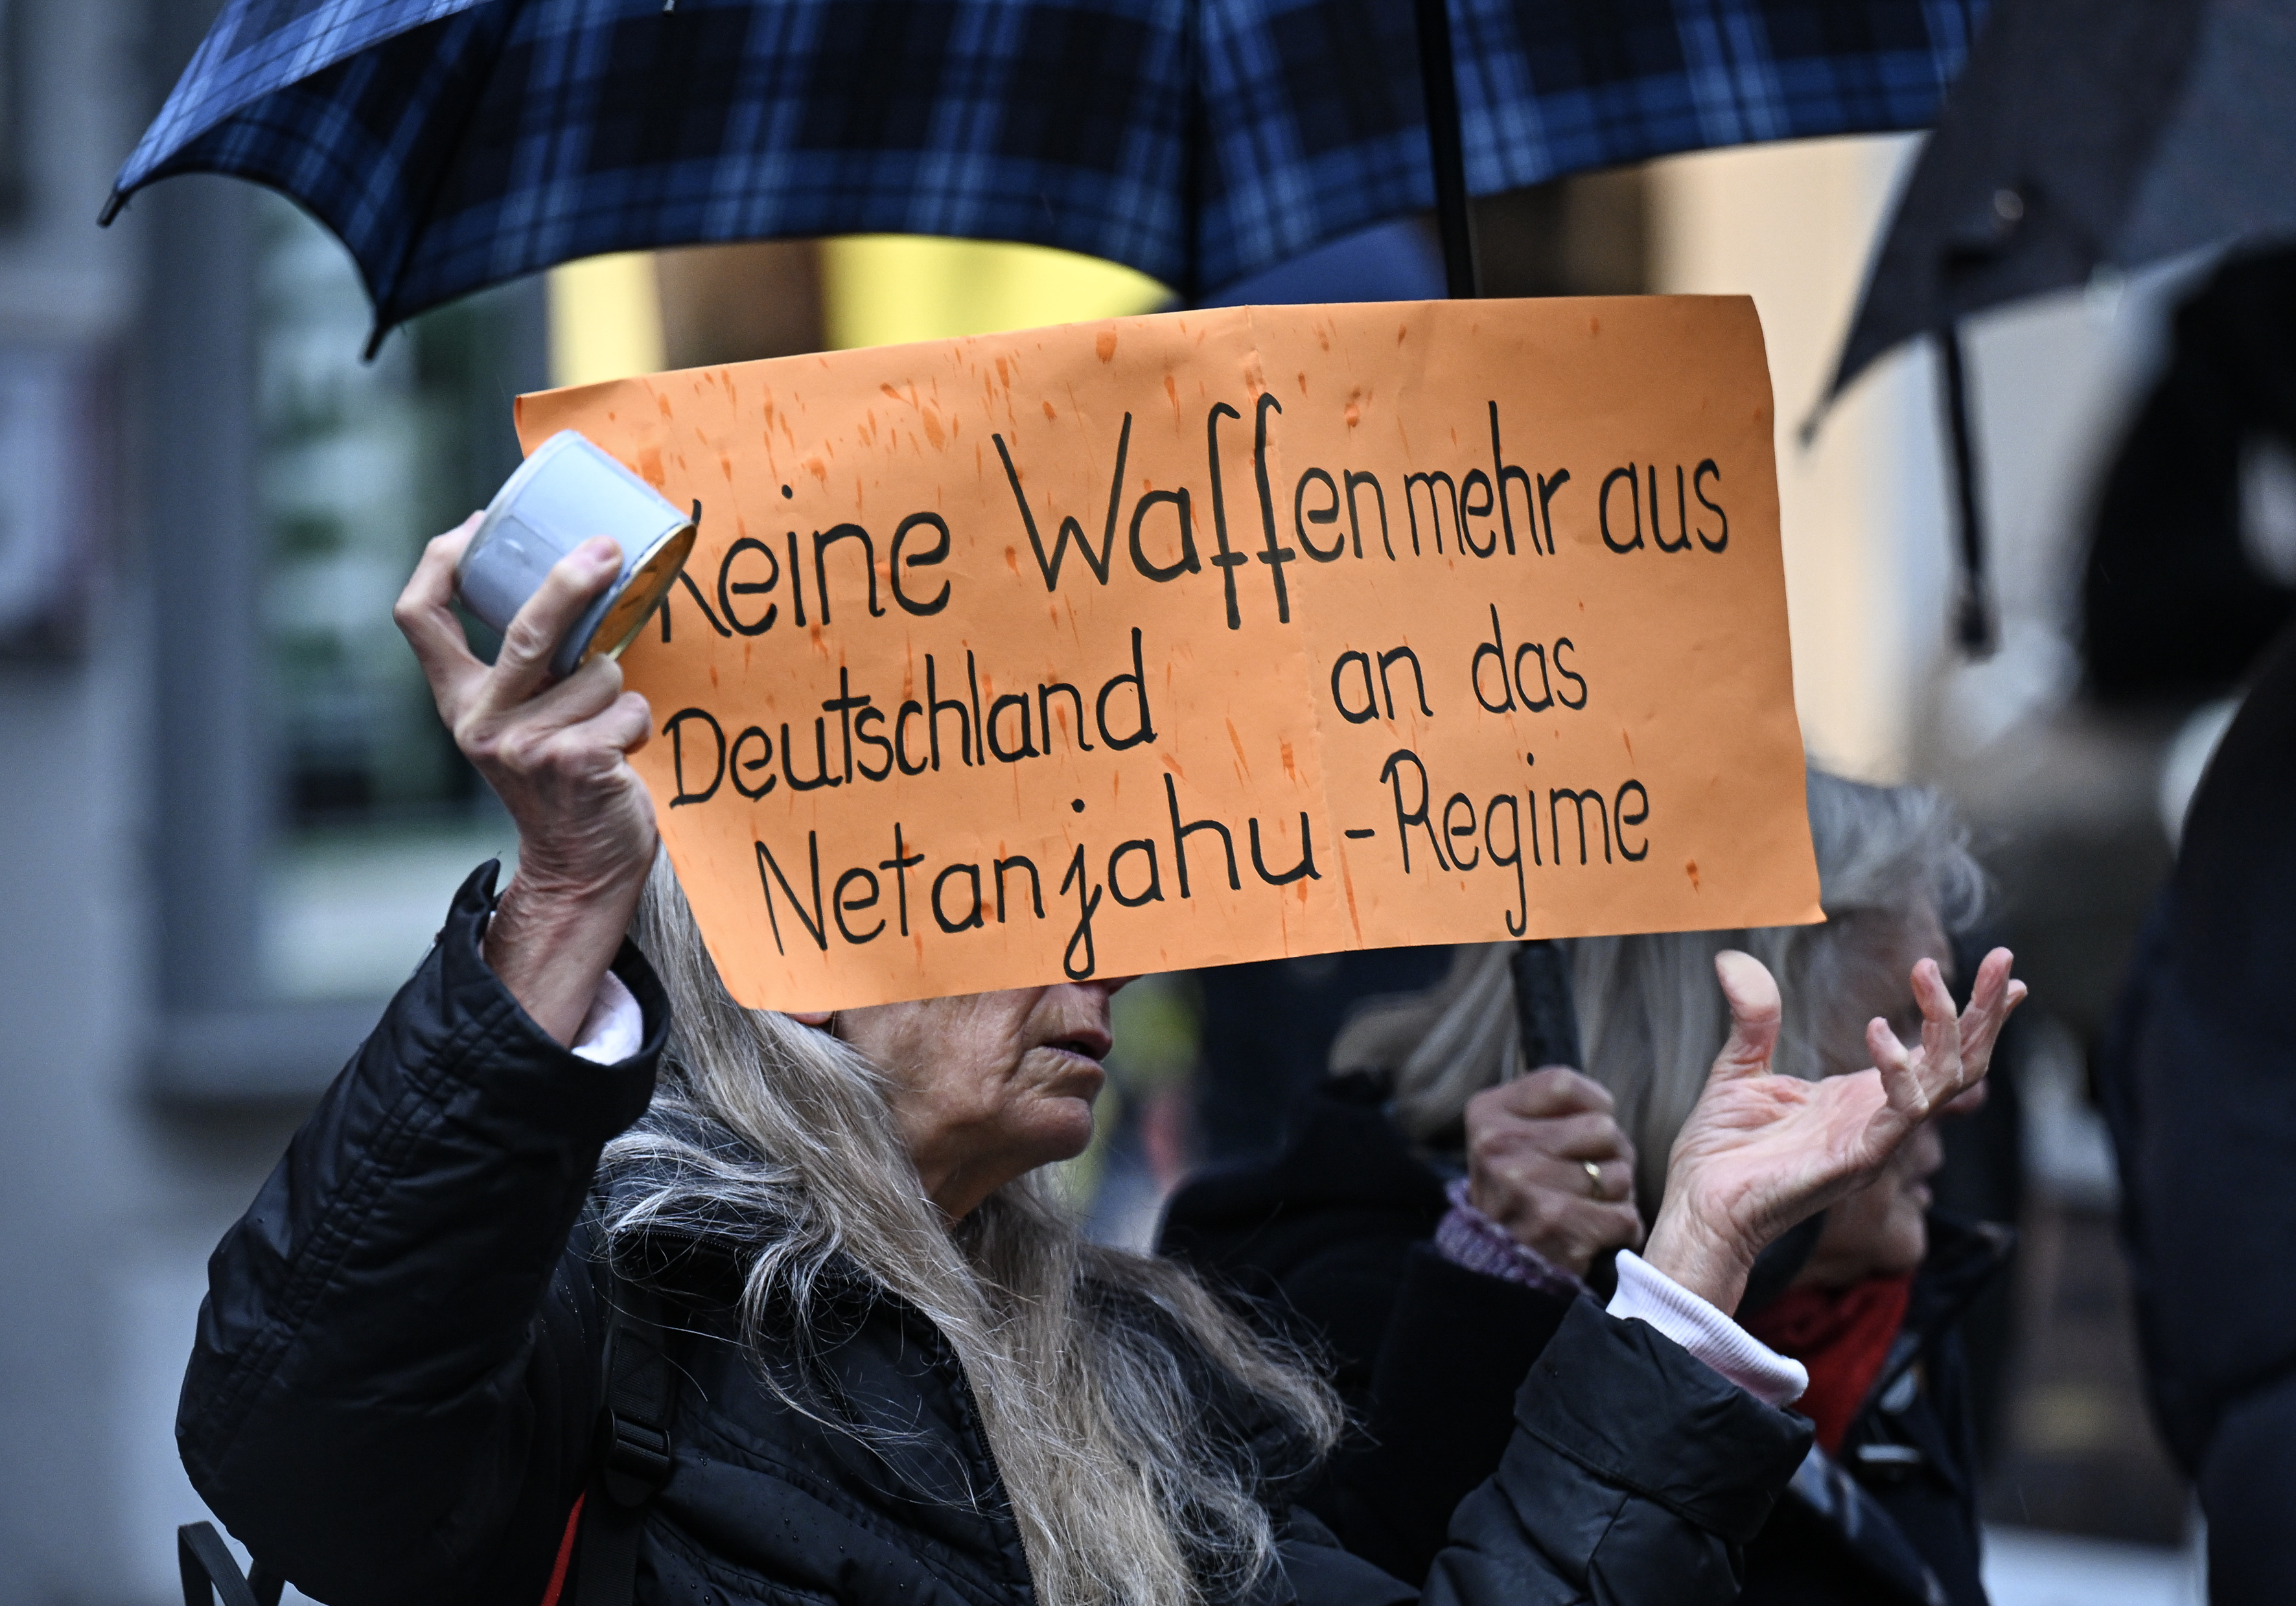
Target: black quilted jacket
x=1336, y=1229
x=394, y=1392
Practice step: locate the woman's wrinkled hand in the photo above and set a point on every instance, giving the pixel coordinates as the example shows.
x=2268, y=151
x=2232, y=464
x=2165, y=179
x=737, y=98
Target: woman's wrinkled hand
x=1762, y=1153
x=1530, y=1143
x=557, y=756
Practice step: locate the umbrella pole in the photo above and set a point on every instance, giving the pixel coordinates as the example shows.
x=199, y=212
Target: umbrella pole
x=1546, y=1018
x=1974, y=623
x=1439, y=78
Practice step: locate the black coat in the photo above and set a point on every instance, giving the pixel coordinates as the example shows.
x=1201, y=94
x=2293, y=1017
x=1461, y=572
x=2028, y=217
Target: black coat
x=1429, y=1355
x=2198, y=1080
x=394, y=1389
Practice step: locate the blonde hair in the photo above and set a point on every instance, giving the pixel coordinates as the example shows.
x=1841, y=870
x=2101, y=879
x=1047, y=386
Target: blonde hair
x=1650, y=1015
x=1099, y=1374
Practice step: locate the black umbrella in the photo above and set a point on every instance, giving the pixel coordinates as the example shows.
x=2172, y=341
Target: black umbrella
x=2084, y=133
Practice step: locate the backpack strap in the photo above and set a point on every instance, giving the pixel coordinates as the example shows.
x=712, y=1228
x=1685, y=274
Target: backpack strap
x=210, y=1573
x=638, y=1393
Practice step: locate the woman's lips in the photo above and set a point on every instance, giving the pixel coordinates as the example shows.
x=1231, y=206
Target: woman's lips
x=1089, y=1043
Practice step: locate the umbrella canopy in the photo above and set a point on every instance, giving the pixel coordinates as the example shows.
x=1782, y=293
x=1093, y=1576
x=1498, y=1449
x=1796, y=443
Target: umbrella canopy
x=455, y=144
x=2088, y=132
x=2085, y=132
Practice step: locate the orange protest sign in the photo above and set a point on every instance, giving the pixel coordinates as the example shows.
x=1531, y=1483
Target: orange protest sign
x=1201, y=637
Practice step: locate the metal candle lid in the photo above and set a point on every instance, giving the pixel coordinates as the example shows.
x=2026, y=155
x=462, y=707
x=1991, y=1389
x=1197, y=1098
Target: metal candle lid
x=566, y=492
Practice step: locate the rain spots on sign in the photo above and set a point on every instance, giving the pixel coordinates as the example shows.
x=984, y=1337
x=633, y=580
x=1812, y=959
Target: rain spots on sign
x=1172, y=390
x=1401, y=332
x=1242, y=764
x=1303, y=383
x=1289, y=768
x=1690, y=868
x=661, y=402
x=1354, y=415
x=1629, y=741
x=1105, y=346
x=649, y=467
x=1049, y=413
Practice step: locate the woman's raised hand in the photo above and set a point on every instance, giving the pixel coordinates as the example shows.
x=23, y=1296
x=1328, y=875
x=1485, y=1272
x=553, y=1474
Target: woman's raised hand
x=1762, y=1153
x=557, y=756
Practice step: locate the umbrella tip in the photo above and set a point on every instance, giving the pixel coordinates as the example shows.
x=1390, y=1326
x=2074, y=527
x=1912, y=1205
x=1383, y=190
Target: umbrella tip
x=1806, y=433
x=112, y=208
x=374, y=341
x=1974, y=626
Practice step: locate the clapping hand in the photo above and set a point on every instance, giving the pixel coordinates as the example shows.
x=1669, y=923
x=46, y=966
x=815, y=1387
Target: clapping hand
x=1762, y=1153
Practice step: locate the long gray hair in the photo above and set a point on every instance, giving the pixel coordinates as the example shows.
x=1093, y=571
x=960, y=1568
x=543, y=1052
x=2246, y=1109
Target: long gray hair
x=1087, y=1362
x=1650, y=1015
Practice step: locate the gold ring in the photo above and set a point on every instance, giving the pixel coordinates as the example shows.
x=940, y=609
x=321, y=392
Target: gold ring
x=1593, y=1178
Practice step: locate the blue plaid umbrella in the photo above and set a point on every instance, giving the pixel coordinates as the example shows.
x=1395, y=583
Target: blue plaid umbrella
x=455, y=144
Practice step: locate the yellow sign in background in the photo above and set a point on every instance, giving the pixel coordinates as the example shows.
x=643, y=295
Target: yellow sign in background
x=1203, y=637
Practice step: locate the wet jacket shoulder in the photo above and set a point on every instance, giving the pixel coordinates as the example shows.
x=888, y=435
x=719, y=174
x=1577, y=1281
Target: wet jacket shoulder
x=391, y=1393
x=395, y=1388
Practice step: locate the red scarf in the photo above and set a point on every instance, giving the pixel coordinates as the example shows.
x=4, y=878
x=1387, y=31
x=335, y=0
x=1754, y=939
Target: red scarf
x=1842, y=1335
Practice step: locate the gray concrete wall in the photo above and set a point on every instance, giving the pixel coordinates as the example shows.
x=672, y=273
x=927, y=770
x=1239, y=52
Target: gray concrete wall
x=109, y=1200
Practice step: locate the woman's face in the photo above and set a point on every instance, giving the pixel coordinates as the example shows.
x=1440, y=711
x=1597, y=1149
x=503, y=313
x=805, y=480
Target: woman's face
x=990, y=1086
x=1881, y=1230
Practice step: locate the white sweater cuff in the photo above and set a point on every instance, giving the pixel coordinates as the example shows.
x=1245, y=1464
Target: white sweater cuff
x=615, y=1028
x=1649, y=1295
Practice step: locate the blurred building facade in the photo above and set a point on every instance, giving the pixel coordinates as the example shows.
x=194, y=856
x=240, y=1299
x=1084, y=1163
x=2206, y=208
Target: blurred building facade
x=232, y=823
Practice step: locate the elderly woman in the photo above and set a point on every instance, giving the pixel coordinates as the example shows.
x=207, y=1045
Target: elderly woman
x=1434, y=1213
x=584, y=1284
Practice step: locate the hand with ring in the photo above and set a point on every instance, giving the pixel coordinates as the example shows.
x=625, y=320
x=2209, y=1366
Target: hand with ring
x=1547, y=1161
